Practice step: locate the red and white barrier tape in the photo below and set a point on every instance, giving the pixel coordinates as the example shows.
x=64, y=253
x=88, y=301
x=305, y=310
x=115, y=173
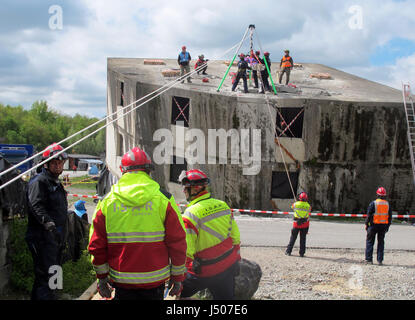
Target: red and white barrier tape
x=318, y=214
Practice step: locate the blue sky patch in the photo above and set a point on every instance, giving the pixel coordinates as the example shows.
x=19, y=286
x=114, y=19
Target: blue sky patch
x=391, y=51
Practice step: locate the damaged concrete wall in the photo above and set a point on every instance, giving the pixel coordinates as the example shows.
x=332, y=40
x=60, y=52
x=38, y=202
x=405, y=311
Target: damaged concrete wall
x=351, y=149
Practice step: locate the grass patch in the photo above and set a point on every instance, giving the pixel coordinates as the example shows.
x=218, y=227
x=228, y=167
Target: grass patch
x=77, y=276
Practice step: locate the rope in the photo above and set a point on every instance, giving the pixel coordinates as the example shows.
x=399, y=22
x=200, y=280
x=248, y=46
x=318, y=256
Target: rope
x=275, y=127
x=168, y=87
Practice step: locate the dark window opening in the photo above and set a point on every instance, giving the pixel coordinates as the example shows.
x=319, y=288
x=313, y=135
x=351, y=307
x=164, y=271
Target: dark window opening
x=121, y=93
x=120, y=145
x=179, y=164
x=280, y=185
x=284, y=118
x=180, y=110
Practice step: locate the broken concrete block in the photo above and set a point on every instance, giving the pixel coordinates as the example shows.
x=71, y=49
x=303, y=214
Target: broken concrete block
x=235, y=63
x=171, y=73
x=320, y=75
x=154, y=62
x=287, y=89
x=298, y=65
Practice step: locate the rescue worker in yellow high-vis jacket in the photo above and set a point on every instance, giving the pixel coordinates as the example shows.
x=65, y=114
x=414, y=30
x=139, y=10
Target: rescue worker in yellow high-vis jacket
x=137, y=239
x=378, y=221
x=213, y=240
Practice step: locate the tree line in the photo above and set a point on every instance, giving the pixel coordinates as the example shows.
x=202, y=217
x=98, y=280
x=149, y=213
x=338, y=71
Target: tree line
x=41, y=126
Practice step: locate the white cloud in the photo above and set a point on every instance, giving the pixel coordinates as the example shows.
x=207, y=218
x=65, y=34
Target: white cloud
x=315, y=31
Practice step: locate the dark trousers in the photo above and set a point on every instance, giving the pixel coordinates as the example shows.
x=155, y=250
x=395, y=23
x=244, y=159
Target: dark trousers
x=45, y=253
x=221, y=286
x=264, y=78
x=140, y=294
x=293, y=238
x=372, y=231
x=238, y=77
x=203, y=70
x=287, y=71
x=255, y=76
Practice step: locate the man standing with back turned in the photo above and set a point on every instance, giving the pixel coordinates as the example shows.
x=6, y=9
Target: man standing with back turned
x=301, y=223
x=378, y=221
x=137, y=232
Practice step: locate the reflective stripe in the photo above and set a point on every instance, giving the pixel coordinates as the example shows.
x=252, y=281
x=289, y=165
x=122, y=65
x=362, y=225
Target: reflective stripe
x=216, y=215
x=193, y=217
x=178, y=270
x=135, y=239
x=101, y=269
x=133, y=234
x=140, y=277
x=212, y=232
x=191, y=231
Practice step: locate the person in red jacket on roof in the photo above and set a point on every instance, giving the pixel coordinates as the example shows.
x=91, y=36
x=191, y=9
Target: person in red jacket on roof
x=137, y=238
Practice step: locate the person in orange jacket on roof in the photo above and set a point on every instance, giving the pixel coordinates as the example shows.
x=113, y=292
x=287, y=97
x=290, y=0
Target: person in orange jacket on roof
x=286, y=65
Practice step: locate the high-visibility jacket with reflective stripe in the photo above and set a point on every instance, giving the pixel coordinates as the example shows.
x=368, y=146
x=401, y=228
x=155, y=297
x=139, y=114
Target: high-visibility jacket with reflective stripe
x=302, y=211
x=137, y=231
x=211, y=232
x=381, y=214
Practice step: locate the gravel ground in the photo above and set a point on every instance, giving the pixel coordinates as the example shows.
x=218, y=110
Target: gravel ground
x=332, y=274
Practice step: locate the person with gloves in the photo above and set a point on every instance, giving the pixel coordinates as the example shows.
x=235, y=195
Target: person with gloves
x=213, y=240
x=47, y=214
x=137, y=238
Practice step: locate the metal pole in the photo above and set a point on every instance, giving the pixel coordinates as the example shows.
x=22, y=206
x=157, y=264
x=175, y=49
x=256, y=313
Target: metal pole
x=230, y=65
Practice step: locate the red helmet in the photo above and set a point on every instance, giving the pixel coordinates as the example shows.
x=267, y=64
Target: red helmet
x=257, y=53
x=193, y=178
x=303, y=196
x=381, y=192
x=205, y=80
x=184, y=48
x=266, y=53
x=241, y=55
x=136, y=160
x=53, y=149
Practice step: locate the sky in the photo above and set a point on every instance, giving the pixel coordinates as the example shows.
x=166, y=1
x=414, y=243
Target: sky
x=57, y=50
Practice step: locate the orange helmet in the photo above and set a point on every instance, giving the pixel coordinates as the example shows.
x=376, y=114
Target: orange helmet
x=381, y=192
x=136, y=160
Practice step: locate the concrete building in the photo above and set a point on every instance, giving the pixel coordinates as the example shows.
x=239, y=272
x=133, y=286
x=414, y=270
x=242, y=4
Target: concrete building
x=349, y=135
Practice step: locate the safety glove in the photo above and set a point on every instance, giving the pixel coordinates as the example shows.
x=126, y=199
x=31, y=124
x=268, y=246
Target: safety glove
x=104, y=288
x=175, y=288
x=51, y=227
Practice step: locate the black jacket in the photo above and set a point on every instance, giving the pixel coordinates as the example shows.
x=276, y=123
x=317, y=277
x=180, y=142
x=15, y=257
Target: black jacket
x=371, y=210
x=47, y=201
x=242, y=66
x=76, y=237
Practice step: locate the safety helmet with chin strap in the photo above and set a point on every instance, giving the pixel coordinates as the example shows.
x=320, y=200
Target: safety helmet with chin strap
x=193, y=178
x=53, y=149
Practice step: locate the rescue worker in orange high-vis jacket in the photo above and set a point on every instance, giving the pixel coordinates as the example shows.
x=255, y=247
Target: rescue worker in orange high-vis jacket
x=378, y=221
x=213, y=240
x=137, y=238
x=286, y=65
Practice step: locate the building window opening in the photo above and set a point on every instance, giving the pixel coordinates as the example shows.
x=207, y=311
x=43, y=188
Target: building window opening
x=120, y=145
x=290, y=122
x=121, y=93
x=180, y=110
x=179, y=164
x=280, y=185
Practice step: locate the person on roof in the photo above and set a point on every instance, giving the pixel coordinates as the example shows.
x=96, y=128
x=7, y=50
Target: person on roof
x=242, y=67
x=264, y=73
x=47, y=214
x=213, y=240
x=301, y=223
x=137, y=239
x=253, y=62
x=286, y=65
x=183, y=60
x=201, y=62
x=378, y=221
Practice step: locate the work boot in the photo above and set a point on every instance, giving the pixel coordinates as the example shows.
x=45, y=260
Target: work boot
x=287, y=253
x=302, y=255
x=368, y=262
x=204, y=73
x=380, y=263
